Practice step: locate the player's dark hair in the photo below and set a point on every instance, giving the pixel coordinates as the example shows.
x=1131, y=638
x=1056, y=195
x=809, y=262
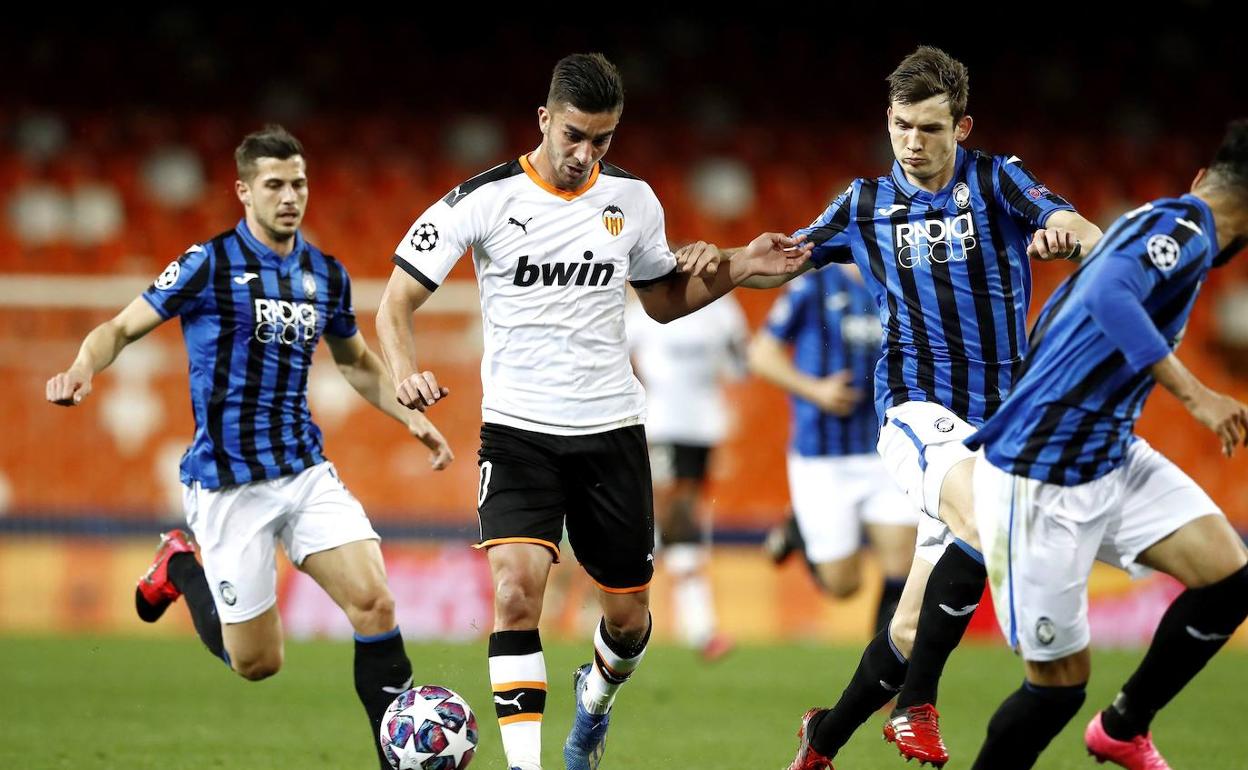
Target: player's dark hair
x=588, y=82
x=272, y=141
x=929, y=72
x=1230, y=163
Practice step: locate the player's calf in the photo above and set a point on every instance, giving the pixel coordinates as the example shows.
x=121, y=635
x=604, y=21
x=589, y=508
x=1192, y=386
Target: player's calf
x=1025, y=724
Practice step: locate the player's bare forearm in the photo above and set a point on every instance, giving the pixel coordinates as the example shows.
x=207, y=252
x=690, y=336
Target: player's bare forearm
x=1225, y=416
x=769, y=360
x=366, y=373
x=395, y=333
x=682, y=294
x=1087, y=234
x=1172, y=375
x=99, y=349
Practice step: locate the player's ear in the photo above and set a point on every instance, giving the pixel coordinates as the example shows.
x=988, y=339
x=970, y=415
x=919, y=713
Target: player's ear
x=962, y=129
x=243, y=191
x=543, y=119
x=1200, y=177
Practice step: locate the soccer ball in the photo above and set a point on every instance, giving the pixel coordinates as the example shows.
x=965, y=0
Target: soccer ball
x=425, y=237
x=428, y=728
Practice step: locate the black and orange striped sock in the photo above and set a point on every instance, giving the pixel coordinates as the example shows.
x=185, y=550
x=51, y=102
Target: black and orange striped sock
x=518, y=677
x=614, y=663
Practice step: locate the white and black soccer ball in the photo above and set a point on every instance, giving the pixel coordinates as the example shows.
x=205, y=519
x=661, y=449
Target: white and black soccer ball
x=424, y=237
x=428, y=728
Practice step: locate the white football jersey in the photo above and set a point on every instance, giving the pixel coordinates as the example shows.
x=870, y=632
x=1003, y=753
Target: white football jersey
x=683, y=364
x=551, y=269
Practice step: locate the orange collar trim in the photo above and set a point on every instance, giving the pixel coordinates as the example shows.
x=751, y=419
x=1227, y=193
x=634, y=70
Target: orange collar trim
x=567, y=195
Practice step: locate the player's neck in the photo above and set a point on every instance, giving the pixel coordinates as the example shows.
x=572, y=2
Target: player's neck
x=932, y=184
x=1230, y=216
x=281, y=248
x=540, y=161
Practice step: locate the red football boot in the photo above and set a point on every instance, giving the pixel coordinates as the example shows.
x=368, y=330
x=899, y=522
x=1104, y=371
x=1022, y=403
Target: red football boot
x=155, y=592
x=916, y=731
x=807, y=758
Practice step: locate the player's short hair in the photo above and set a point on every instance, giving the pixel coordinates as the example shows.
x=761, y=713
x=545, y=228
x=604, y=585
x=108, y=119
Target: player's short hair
x=1230, y=163
x=272, y=141
x=929, y=72
x=588, y=82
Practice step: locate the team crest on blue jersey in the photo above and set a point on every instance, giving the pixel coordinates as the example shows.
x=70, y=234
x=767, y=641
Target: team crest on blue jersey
x=169, y=276
x=613, y=219
x=961, y=195
x=309, y=286
x=1163, y=251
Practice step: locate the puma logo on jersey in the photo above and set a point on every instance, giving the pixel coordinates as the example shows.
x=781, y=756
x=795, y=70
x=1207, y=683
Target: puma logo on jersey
x=510, y=701
x=242, y=280
x=967, y=610
x=564, y=273
x=522, y=225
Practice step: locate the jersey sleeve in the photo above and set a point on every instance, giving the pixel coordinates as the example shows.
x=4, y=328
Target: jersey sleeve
x=184, y=284
x=785, y=318
x=1161, y=249
x=1027, y=200
x=651, y=258
x=830, y=231
x=341, y=322
x=438, y=238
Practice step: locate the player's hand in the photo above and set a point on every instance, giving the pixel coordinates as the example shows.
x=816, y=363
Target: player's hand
x=1225, y=416
x=68, y=388
x=440, y=454
x=835, y=394
x=699, y=259
x=775, y=254
x=420, y=391
x=1054, y=243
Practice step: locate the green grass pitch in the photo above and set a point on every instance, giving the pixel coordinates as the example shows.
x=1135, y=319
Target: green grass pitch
x=132, y=704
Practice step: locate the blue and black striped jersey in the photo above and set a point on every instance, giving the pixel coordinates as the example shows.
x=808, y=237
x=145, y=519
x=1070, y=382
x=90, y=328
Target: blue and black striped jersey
x=251, y=321
x=829, y=318
x=950, y=275
x=1071, y=417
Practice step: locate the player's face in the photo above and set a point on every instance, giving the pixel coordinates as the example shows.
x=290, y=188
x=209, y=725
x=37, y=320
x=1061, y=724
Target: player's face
x=575, y=141
x=277, y=197
x=925, y=137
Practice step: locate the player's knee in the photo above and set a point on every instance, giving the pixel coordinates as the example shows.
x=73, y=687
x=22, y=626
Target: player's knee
x=1070, y=671
x=629, y=628
x=256, y=667
x=839, y=580
x=373, y=612
x=517, y=605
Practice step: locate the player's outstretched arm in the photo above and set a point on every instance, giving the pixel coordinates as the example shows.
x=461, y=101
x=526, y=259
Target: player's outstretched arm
x=1066, y=235
x=1223, y=415
x=770, y=254
x=367, y=374
x=99, y=349
x=414, y=389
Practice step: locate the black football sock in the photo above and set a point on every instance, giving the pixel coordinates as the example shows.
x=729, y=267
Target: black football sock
x=1194, y=628
x=187, y=576
x=953, y=592
x=1025, y=723
x=382, y=673
x=879, y=673
x=889, y=596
